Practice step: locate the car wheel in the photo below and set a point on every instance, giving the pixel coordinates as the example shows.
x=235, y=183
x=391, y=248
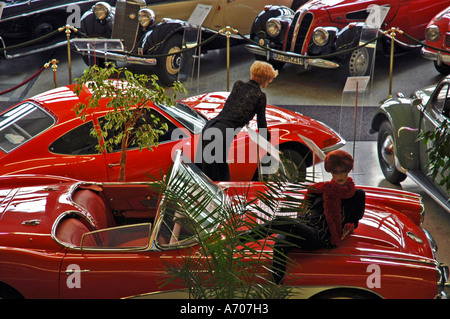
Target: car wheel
x=386, y=154
x=168, y=67
x=443, y=69
x=358, y=64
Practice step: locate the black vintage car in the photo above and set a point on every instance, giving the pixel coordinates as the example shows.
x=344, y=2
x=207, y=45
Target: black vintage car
x=22, y=21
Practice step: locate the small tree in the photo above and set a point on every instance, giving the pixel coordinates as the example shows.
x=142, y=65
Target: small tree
x=438, y=153
x=128, y=95
x=222, y=265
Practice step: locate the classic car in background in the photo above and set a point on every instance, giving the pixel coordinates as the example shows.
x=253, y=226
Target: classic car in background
x=322, y=27
x=26, y=20
x=134, y=22
x=76, y=238
x=42, y=135
x=437, y=35
x=399, y=121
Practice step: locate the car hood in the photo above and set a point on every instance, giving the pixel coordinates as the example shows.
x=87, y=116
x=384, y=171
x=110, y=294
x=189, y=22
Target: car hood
x=211, y=104
x=389, y=229
x=29, y=208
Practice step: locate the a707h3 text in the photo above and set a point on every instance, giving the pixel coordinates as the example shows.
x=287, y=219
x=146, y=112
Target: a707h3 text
x=229, y=308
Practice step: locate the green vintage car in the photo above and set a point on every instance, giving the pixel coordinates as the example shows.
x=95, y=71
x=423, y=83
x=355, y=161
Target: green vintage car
x=399, y=121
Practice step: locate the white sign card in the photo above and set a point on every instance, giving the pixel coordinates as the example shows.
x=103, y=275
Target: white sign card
x=199, y=15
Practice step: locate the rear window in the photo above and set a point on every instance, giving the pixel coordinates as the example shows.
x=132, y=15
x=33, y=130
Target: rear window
x=21, y=124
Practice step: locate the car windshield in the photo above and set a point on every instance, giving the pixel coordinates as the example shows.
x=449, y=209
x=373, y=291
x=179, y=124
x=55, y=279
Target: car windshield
x=188, y=117
x=21, y=124
x=191, y=206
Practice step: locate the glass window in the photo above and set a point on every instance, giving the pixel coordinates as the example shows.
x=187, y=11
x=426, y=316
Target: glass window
x=441, y=104
x=78, y=141
x=188, y=117
x=200, y=202
x=21, y=124
x=149, y=118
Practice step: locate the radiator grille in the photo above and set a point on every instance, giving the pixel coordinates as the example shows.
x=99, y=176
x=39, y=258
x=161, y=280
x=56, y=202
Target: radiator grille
x=299, y=29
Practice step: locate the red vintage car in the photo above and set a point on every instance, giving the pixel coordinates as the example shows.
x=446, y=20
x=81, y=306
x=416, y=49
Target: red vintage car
x=327, y=30
x=62, y=238
x=437, y=42
x=43, y=135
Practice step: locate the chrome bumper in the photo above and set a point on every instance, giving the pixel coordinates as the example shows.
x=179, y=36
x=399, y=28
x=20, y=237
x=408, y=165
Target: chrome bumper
x=290, y=57
x=437, y=56
x=113, y=56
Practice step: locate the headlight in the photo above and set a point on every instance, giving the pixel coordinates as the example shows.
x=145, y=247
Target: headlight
x=433, y=33
x=273, y=27
x=146, y=17
x=101, y=10
x=320, y=36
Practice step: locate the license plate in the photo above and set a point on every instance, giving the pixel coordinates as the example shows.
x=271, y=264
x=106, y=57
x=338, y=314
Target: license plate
x=287, y=58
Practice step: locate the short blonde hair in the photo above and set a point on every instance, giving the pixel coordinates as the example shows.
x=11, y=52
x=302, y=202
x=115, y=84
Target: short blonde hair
x=262, y=72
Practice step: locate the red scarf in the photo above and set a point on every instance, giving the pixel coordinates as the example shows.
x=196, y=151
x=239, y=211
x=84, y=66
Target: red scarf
x=332, y=194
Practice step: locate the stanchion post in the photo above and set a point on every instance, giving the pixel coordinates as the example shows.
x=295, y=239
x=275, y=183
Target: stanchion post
x=54, y=67
x=228, y=31
x=391, y=68
x=69, y=55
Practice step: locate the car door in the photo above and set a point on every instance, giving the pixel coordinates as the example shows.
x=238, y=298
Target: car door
x=142, y=165
x=435, y=113
x=112, y=263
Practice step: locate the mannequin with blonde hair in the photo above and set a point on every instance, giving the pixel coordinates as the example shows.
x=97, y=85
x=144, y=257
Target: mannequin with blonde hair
x=244, y=102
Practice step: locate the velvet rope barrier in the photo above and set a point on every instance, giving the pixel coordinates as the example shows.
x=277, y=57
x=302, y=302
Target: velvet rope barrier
x=24, y=82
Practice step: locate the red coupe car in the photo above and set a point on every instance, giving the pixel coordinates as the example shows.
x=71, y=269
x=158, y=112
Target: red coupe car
x=43, y=135
x=62, y=238
x=438, y=41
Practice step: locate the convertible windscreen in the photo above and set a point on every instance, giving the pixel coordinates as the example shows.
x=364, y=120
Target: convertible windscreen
x=21, y=124
x=191, y=206
x=191, y=119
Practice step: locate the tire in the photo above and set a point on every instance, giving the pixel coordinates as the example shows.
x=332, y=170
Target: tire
x=443, y=69
x=386, y=154
x=168, y=67
x=359, y=63
x=345, y=294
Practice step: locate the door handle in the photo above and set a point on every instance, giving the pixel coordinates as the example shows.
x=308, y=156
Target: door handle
x=113, y=165
x=72, y=271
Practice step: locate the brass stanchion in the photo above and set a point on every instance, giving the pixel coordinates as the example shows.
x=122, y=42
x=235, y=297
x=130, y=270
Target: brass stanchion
x=228, y=31
x=391, y=68
x=69, y=55
x=54, y=67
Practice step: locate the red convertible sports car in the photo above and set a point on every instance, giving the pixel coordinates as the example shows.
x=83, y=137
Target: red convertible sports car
x=62, y=238
x=43, y=135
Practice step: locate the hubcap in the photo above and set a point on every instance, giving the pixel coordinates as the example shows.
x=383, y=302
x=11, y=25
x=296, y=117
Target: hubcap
x=359, y=62
x=173, y=62
x=387, y=152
